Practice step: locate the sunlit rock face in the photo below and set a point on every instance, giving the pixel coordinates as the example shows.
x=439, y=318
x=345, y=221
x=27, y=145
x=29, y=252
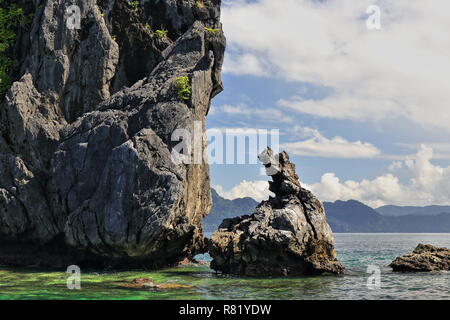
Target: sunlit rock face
x=86, y=168
x=287, y=235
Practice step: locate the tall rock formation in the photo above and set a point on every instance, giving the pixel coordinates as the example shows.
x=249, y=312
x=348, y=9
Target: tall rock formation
x=86, y=172
x=287, y=235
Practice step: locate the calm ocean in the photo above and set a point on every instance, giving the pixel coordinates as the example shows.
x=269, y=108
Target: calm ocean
x=356, y=251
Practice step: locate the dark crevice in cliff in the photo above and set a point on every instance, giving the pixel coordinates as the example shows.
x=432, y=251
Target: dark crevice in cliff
x=305, y=210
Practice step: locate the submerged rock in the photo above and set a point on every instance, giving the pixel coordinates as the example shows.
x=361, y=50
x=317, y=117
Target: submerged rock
x=145, y=283
x=191, y=262
x=425, y=257
x=287, y=235
x=86, y=144
x=140, y=283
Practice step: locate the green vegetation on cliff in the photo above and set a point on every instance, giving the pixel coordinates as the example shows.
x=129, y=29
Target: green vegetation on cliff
x=184, y=88
x=11, y=18
x=161, y=33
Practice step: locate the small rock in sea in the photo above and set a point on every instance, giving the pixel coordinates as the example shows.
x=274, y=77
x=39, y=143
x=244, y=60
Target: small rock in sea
x=173, y=286
x=424, y=258
x=191, y=262
x=140, y=283
x=145, y=283
x=287, y=235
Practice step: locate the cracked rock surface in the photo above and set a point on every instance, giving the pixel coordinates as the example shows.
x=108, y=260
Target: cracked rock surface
x=86, y=174
x=287, y=235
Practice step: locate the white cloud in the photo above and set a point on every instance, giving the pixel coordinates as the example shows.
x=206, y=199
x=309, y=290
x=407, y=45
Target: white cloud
x=428, y=185
x=398, y=72
x=258, y=190
x=396, y=165
x=232, y=131
x=319, y=146
x=441, y=150
x=245, y=64
x=242, y=110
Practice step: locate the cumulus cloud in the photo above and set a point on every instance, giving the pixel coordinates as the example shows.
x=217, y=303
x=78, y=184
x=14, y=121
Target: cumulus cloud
x=258, y=190
x=337, y=147
x=398, y=72
x=396, y=165
x=245, y=64
x=428, y=185
x=441, y=150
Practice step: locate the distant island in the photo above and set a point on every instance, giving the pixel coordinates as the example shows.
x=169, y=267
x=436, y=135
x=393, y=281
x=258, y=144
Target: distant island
x=348, y=216
x=223, y=208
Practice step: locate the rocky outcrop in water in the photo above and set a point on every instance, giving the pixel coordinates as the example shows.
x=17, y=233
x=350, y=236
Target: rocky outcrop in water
x=424, y=258
x=86, y=173
x=145, y=283
x=287, y=235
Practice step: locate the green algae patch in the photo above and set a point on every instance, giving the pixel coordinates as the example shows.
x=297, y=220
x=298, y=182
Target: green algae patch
x=31, y=283
x=192, y=282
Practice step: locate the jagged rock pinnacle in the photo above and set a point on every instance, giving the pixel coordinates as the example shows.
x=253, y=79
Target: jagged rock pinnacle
x=285, y=179
x=286, y=235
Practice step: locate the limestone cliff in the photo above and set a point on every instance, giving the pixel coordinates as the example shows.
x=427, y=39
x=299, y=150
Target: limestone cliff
x=86, y=174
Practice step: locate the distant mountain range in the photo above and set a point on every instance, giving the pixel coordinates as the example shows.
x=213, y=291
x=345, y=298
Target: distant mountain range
x=224, y=208
x=396, y=211
x=348, y=216
x=354, y=216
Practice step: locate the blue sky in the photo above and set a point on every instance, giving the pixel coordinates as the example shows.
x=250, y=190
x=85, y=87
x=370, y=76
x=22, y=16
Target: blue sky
x=363, y=113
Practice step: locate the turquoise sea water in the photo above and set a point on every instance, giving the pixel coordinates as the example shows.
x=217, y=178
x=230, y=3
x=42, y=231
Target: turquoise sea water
x=356, y=251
